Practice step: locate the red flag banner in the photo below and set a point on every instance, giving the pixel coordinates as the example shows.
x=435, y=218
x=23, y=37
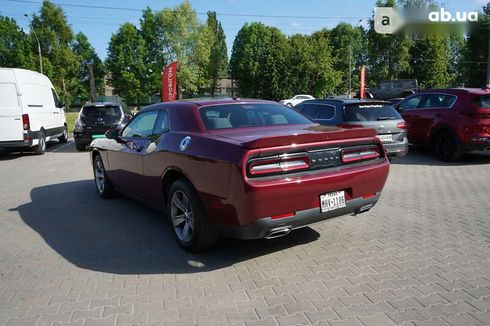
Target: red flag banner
x=169, y=82
x=362, y=92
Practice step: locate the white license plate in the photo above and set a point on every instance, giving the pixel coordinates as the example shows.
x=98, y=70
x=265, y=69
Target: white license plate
x=332, y=200
x=385, y=138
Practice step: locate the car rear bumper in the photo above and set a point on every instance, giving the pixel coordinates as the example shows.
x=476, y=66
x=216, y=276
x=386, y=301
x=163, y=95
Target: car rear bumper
x=86, y=137
x=396, y=149
x=271, y=228
x=30, y=139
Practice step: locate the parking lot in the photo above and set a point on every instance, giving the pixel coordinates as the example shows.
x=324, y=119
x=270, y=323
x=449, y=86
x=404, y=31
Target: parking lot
x=420, y=257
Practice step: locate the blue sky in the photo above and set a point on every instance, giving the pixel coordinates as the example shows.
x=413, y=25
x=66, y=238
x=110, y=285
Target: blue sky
x=99, y=24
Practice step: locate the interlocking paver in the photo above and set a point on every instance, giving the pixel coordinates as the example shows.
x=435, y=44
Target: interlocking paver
x=421, y=256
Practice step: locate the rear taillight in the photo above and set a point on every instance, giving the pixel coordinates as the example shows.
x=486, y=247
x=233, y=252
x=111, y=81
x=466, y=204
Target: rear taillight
x=278, y=165
x=401, y=125
x=360, y=154
x=26, y=124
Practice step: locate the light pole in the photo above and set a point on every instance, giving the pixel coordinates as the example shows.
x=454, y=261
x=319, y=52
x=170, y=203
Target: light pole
x=350, y=59
x=38, y=45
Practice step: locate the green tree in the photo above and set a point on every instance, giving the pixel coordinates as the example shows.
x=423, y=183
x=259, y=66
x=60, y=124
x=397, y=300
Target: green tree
x=476, y=52
x=388, y=55
x=60, y=64
x=218, y=60
x=349, y=46
x=259, y=62
x=183, y=39
x=430, y=55
x=311, y=65
x=15, y=49
x=126, y=63
x=87, y=55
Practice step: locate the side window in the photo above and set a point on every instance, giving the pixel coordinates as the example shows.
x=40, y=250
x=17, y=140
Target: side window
x=325, y=112
x=161, y=125
x=299, y=108
x=57, y=101
x=141, y=126
x=385, y=84
x=310, y=110
x=440, y=101
x=397, y=84
x=411, y=103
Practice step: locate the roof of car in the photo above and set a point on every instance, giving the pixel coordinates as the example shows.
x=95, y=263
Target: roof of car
x=101, y=104
x=346, y=100
x=477, y=91
x=204, y=102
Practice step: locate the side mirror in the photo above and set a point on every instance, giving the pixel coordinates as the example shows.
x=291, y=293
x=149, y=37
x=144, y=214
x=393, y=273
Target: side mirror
x=112, y=134
x=61, y=104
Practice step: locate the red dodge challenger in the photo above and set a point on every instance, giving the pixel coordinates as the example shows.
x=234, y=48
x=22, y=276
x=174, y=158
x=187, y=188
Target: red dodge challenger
x=241, y=168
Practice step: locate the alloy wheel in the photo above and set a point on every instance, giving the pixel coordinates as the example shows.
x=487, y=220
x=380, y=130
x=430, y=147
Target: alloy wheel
x=99, y=176
x=182, y=216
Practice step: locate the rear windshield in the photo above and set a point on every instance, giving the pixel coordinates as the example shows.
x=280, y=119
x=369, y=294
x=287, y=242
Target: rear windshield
x=249, y=115
x=101, y=111
x=370, y=112
x=484, y=102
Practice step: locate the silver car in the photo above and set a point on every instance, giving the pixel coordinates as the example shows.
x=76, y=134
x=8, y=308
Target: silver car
x=350, y=113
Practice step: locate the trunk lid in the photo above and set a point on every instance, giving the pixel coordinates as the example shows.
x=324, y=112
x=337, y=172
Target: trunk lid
x=100, y=115
x=259, y=137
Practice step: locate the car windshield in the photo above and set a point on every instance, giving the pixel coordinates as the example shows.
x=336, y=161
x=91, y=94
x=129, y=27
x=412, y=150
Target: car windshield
x=370, y=112
x=249, y=115
x=101, y=111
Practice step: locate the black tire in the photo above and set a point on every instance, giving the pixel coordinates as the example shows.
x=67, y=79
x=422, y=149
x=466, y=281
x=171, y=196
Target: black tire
x=103, y=185
x=447, y=147
x=40, y=148
x=80, y=147
x=200, y=235
x=63, y=138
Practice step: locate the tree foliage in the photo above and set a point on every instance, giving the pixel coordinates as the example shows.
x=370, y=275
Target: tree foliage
x=126, y=63
x=476, y=51
x=15, y=46
x=218, y=58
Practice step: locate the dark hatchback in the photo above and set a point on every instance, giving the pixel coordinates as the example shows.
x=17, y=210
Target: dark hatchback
x=95, y=119
x=354, y=113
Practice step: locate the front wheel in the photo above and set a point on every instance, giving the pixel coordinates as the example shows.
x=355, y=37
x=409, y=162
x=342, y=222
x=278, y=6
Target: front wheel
x=80, y=147
x=102, y=183
x=189, y=223
x=447, y=147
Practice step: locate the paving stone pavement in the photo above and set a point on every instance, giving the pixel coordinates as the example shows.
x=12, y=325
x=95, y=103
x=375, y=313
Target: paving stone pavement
x=420, y=257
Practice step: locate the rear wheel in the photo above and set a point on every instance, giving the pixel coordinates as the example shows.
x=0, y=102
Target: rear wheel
x=447, y=147
x=102, y=183
x=80, y=147
x=40, y=148
x=64, y=137
x=189, y=223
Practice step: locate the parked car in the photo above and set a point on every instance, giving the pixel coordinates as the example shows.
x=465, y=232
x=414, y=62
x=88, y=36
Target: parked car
x=242, y=168
x=452, y=121
x=30, y=111
x=353, y=113
x=389, y=89
x=95, y=119
x=296, y=99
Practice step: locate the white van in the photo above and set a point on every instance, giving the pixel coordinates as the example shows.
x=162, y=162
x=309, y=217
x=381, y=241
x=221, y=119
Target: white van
x=30, y=112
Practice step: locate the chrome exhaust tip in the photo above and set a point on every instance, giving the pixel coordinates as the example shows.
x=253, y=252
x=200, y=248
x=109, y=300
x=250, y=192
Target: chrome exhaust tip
x=364, y=209
x=279, y=232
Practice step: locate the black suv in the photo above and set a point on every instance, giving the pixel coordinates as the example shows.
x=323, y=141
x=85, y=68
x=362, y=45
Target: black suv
x=354, y=113
x=95, y=119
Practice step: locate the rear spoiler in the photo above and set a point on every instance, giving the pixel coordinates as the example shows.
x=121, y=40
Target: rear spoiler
x=288, y=139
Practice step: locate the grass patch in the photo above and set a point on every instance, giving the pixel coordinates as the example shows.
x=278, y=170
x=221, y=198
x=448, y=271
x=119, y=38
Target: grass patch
x=70, y=120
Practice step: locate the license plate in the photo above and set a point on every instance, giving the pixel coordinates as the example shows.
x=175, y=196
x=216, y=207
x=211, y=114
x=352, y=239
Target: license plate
x=332, y=200
x=385, y=138
x=98, y=136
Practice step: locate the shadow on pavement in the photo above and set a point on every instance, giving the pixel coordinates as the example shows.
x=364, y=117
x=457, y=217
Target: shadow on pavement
x=425, y=156
x=123, y=237
x=51, y=147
